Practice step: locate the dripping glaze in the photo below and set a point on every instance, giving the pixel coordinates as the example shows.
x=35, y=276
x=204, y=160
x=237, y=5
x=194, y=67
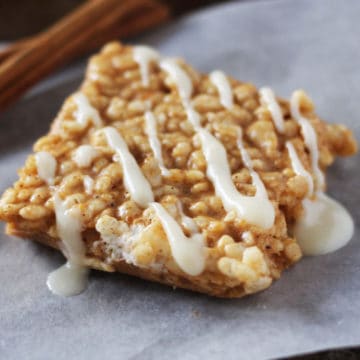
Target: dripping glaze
x=299, y=168
x=326, y=225
x=151, y=132
x=144, y=55
x=188, y=252
x=310, y=137
x=267, y=97
x=219, y=79
x=71, y=278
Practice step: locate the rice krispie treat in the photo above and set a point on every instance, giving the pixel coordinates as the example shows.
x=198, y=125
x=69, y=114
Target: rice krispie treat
x=196, y=181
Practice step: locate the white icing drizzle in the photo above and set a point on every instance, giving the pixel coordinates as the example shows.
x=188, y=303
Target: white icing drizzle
x=186, y=221
x=84, y=155
x=70, y=279
x=88, y=184
x=310, y=137
x=192, y=115
x=249, y=208
x=261, y=194
x=179, y=76
x=144, y=55
x=188, y=252
x=68, y=226
x=46, y=166
x=85, y=111
x=267, y=97
x=134, y=180
x=150, y=129
x=219, y=79
x=218, y=170
x=326, y=226
x=299, y=168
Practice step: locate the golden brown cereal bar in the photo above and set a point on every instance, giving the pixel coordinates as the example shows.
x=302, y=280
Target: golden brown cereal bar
x=126, y=179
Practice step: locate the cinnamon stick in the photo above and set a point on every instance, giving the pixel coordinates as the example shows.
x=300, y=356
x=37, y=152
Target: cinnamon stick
x=14, y=48
x=132, y=25
x=55, y=48
x=77, y=21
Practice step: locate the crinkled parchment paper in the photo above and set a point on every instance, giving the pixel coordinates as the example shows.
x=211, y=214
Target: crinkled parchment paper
x=286, y=44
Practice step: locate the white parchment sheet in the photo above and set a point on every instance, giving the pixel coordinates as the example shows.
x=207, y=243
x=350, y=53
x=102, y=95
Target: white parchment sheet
x=313, y=44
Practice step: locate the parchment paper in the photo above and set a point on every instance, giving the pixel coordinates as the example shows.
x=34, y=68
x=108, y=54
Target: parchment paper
x=285, y=44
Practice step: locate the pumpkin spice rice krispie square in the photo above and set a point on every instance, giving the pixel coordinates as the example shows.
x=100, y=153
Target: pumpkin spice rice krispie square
x=156, y=170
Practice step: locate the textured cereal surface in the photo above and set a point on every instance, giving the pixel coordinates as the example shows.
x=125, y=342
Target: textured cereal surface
x=119, y=235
